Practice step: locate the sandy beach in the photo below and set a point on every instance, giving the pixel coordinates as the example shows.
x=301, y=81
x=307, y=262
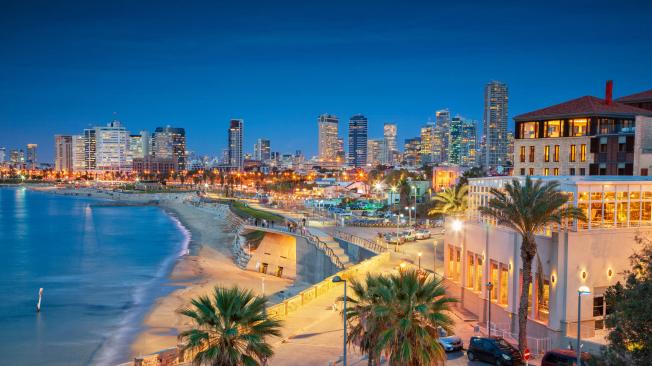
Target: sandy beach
x=210, y=264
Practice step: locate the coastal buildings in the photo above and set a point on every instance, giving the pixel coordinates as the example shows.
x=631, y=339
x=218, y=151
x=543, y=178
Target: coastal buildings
x=390, y=149
x=111, y=145
x=32, y=156
x=441, y=139
x=262, y=150
x=427, y=144
x=358, y=141
x=17, y=158
x=152, y=165
x=462, y=142
x=63, y=153
x=374, y=152
x=593, y=254
x=235, y=137
x=495, y=148
x=584, y=136
x=411, y=151
x=3, y=155
x=328, y=145
x=170, y=143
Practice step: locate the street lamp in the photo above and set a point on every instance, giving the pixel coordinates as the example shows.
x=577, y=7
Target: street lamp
x=415, y=204
x=419, y=261
x=398, y=224
x=490, y=287
x=457, y=225
x=338, y=279
x=583, y=290
x=407, y=208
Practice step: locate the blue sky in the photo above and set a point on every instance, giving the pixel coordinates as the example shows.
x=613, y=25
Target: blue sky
x=65, y=65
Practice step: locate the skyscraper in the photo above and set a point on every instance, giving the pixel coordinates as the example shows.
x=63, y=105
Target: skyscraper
x=358, y=141
x=341, y=155
x=236, y=133
x=63, y=153
x=427, y=143
x=468, y=144
x=495, y=125
x=262, y=150
x=411, y=151
x=3, y=155
x=17, y=158
x=79, y=163
x=375, y=152
x=111, y=145
x=389, y=143
x=455, y=141
x=327, y=126
x=441, y=141
x=32, y=156
x=170, y=143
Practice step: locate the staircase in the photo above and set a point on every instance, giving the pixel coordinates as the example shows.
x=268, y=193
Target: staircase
x=335, y=247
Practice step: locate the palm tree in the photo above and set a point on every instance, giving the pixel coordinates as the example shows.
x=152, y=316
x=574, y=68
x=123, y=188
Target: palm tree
x=528, y=209
x=451, y=201
x=231, y=329
x=400, y=315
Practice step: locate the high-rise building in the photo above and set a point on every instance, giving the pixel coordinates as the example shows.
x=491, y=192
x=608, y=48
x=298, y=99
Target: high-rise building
x=389, y=143
x=341, y=155
x=111, y=147
x=236, y=134
x=495, y=125
x=455, y=141
x=135, y=148
x=79, y=163
x=468, y=144
x=412, y=149
x=441, y=140
x=32, y=156
x=374, y=152
x=427, y=143
x=17, y=158
x=358, y=141
x=63, y=153
x=90, y=147
x=170, y=143
x=510, y=148
x=3, y=155
x=327, y=126
x=262, y=150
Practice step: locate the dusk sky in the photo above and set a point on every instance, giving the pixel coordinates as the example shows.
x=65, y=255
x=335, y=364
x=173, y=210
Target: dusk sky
x=278, y=65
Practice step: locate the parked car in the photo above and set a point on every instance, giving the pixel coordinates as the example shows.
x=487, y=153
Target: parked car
x=565, y=357
x=493, y=350
x=423, y=234
x=392, y=238
x=409, y=235
x=451, y=343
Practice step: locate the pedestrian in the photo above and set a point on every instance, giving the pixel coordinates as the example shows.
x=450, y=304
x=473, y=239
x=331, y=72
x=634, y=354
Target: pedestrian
x=256, y=222
x=304, y=221
x=264, y=223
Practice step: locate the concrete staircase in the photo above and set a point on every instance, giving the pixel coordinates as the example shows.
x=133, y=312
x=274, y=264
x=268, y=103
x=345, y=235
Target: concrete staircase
x=339, y=252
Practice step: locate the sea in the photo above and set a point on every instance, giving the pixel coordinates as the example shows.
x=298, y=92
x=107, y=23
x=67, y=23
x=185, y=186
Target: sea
x=101, y=269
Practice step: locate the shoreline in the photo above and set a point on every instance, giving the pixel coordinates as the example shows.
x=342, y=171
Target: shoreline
x=207, y=263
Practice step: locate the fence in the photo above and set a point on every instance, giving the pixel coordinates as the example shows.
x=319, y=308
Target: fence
x=537, y=346
x=365, y=243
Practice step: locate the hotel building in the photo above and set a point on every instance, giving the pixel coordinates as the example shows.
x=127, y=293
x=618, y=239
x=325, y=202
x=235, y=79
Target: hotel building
x=593, y=254
x=584, y=136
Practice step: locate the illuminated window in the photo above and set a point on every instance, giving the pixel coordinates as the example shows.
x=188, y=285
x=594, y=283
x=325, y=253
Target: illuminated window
x=608, y=214
x=531, y=154
x=478, y=273
x=572, y=154
x=546, y=171
x=451, y=261
x=494, y=281
x=621, y=215
x=529, y=130
x=546, y=153
x=504, y=278
x=544, y=302
x=578, y=126
x=522, y=154
x=556, y=154
x=552, y=128
x=583, y=153
x=458, y=264
x=531, y=171
x=470, y=270
x=555, y=171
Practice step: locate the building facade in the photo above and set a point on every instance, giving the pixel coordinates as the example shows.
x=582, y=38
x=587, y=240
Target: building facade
x=79, y=153
x=262, y=150
x=32, y=156
x=111, y=147
x=412, y=151
x=495, y=149
x=170, y=143
x=358, y=141
x=441, y=139
x=374, y=152
x=235, y=137
x=327, y=128
x=390, y=149
x=584, y=136
x=63, y=153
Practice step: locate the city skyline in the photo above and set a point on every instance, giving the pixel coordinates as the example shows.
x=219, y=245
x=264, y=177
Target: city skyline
x=150, y=73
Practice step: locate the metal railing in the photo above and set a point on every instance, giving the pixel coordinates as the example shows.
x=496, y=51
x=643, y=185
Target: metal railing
x=537, y=346
x=365, y=243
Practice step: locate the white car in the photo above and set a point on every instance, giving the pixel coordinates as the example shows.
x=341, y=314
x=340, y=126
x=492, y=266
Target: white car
x=423, y=234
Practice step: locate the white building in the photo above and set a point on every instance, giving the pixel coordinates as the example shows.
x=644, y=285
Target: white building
x=390, y=149
x=327, y=126
x=79, y=153
x=111, y=148
x=592, y=254
x=236, y=134
x=63, y=153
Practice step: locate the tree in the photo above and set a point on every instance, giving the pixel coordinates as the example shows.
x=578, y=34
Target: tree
x=630, y=338
x=400, y=315
x=474, y=172
x=231, y=329
x=451, y=201
x=528, y=209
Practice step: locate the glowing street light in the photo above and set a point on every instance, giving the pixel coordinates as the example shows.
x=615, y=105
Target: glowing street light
x=457, y=225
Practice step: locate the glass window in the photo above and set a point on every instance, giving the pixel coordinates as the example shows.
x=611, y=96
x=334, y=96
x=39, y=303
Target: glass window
x=609, y=195
x=572, y=154
x=578, y=126
x=621, y=216
x=546, y=153
x=544, y=302
x=504, y=279
x=583, y=153
x=546, y=171
x=596, y=213
x=583, y=196
x=646, y=212
x=556, y=153
x=609, y=214
x=596, y=196
x=458, y=264
x=478, y=273
x=470, y=273
x=494, y=281
x=553, y=128
x=522, y=154
x=531, y=171
x=451, y=261
x=634, y=213
x=647, y=195
x=529, y=130
x=555, y=171
x=531, y=154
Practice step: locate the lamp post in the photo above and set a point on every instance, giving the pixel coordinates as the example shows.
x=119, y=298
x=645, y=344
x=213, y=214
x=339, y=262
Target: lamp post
x=415, y=205
x=398, y=224
x=490, y=287
x=583, y=290
x=337, y=279
x=419, y=261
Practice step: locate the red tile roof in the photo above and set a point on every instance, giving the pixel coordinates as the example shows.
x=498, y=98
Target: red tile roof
x=584, y=106
x=638, y=97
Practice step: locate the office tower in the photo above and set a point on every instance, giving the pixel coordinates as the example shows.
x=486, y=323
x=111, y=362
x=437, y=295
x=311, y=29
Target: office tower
x=236, y=133
x=358, y=141
x=3, y=155
x=442, y=132
x=90, y=147
x=389, y=143
x=510, y=148
x=495, y=125
x=262, y=150
x=135, y=148
x=170, y=143
x=412, y=149
x=111, y=146
x=341, y=155
x=327, y=126
x=146, y=140
x=63, y=153
x=374, y=152
x=455, y=141
x=17, y=158
x=32, y=156
x=468, y=144
x=427, y=143
x=79, y=163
